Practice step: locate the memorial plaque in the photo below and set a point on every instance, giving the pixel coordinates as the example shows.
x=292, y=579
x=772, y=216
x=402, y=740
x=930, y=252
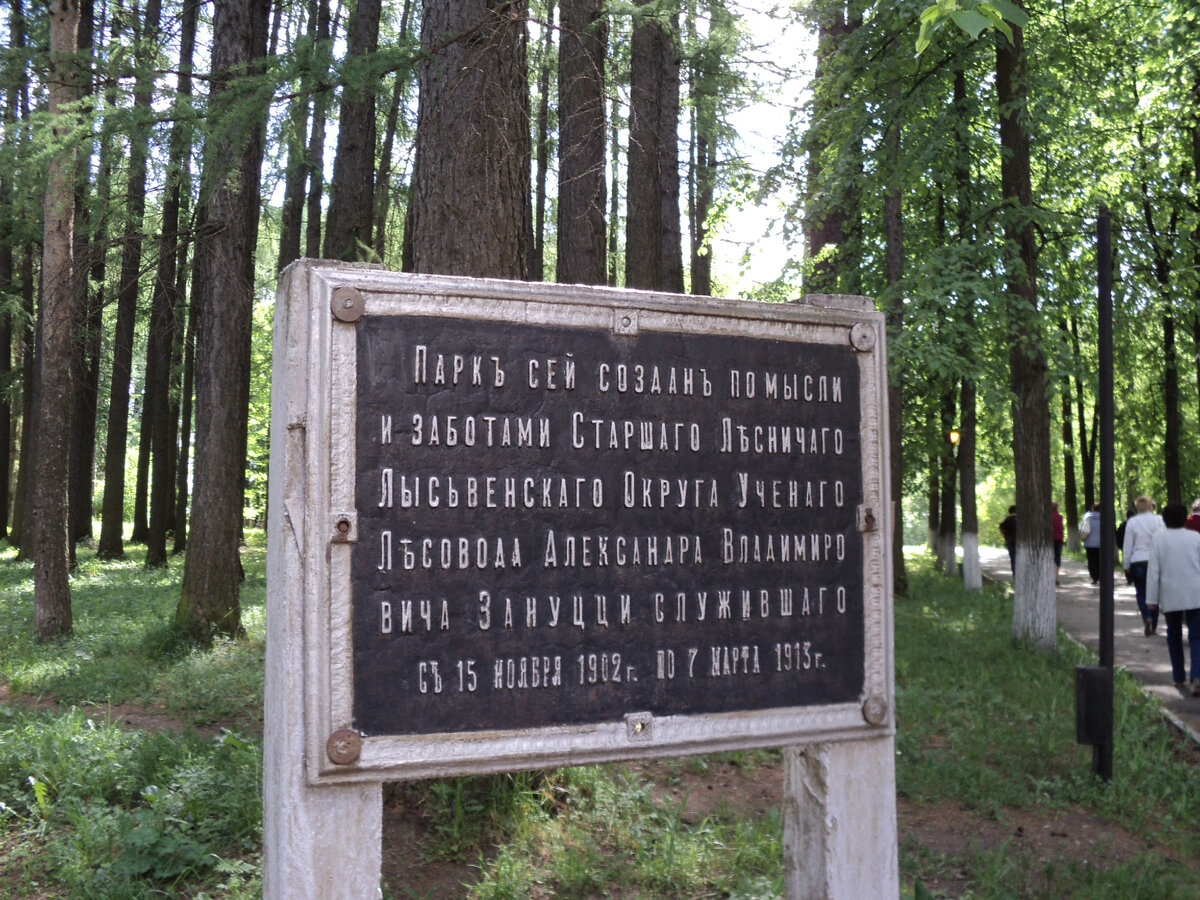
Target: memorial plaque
x=572, y=524
x=557, y=526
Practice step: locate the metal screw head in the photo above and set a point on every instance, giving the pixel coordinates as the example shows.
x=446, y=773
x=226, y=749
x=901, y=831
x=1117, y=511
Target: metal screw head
x=343, y=746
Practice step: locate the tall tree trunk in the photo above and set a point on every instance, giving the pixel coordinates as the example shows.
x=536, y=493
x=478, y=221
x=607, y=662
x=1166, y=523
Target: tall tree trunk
x=295, y=132
x=56, y=320
x=1070, y=487
x=934, y=496
x=112, y=513
x=972, y=570
x=582, y=192
x=826, y=214
x=209, y=601
x=21, y=497
x=614, y=199
x=1087, y=447
x=471, y=204
x=186, y=393
x=163, y=322
x=1034, y=603
x=326, y=31
x=351, y=197
x=702, y=156
x=6, y=340
x=653, y=240
x=141, y=483
x=86, y=358
x=537, y=262
x=8, y=245
x=968, y=424
x=383, y=177
x=1070, y=504
x=893, y=223
x=1172, y=419
x=948, y=520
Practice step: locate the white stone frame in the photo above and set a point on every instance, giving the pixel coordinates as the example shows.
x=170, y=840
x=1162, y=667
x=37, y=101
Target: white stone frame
x=315, y=354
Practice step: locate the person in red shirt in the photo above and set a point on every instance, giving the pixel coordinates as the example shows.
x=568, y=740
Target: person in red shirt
x=1056, y=528
x=1193, y=521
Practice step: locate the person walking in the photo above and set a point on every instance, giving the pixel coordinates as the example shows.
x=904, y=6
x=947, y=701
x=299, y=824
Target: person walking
x=1089, y=530
x=1135, y=555
x=1173, y=584
x=1193, y=521
x=1008, y=528
x=1056, y=530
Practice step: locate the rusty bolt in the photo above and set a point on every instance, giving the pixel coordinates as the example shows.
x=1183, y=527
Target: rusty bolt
x=348, y=304
x=343, y=746
x=875, y=710
x=862, y=337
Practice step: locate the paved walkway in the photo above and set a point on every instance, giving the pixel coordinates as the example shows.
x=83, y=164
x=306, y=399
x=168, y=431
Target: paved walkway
x=1145, y=658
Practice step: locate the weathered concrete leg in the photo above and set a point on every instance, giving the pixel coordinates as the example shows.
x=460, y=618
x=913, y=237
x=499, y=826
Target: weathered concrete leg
x=839, y=821
x=319, y=843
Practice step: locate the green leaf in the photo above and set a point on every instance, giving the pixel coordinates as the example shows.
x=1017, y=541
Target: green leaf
x=970, y=21
x=1008, y=10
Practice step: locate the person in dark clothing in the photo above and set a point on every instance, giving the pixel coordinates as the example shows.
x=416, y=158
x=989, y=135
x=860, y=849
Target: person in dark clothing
x=1129, y=514
x=1008, y=528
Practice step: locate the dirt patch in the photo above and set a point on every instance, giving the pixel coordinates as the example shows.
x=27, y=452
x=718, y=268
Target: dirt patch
x=131, y=715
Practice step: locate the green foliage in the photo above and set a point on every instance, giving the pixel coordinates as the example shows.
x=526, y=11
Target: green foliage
x=119, y=813
x=973, y=17
x=609, y=832
x=123, y=649
x=990, y=728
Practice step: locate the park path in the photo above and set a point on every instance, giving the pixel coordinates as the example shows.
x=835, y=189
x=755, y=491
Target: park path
x=1145, y=658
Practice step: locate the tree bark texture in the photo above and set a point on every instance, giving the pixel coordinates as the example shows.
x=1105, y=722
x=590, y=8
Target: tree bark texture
x=383, y=176
x=295, y=135
x=537, y=259
x=893, y=223
x=582, y=190
x=1087, y=447
x=653, y=239
x=351, y=197
x=209, y=597
x=948, y=520
x=86, y=358
x=471, y=202
x=164, y=305
x=1034, y=618
x=57, y=316
x=186, y=393
x=112, y=523
x=326, y=31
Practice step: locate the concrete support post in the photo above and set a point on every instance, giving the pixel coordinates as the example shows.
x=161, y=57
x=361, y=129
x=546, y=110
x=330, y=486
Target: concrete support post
x=839, y=821
x=319, y=842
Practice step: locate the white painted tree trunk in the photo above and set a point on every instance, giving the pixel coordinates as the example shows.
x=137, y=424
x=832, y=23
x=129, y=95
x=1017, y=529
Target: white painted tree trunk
x=1034, y=601
x=972, y=570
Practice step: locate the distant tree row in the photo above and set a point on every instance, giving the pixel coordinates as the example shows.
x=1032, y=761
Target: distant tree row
x=961, y=187
x=161, y=161
x=156, y=155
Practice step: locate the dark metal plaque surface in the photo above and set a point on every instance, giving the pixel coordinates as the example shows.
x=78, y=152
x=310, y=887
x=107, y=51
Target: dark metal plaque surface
x=562, y=526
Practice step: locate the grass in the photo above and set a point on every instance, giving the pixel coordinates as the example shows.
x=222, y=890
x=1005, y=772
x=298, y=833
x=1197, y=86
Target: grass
x=92, y=809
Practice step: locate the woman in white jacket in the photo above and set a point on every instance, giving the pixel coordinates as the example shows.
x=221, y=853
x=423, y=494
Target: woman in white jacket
x=1173, y=584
